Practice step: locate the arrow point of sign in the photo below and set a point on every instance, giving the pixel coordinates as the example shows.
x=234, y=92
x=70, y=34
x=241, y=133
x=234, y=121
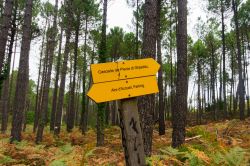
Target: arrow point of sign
x=90, y=93
x=155, y=64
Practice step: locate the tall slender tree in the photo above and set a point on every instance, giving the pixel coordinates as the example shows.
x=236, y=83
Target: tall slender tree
x=51, y=44
x=239, y=59
x=68, y=22
x=102, y=59
x=5, y=26
x=180, y=106
x=5, y=94
x=71, y=117
x=55, y=93
x=160, y=79
x=23, y=75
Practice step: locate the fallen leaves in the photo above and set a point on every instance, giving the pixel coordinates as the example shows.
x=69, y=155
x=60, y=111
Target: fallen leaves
x=214, y=143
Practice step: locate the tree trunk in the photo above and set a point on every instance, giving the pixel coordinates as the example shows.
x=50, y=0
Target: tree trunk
x=63, y=72
x=102, y=59
x=23, y=75
x=10, y=100
x=224, y=60
x=38, y=94
x=55, y=94
x=71, y=117
x=239, y=59
x=137, y=28
x=6, y=93
x=5, y=26
x=51, y=44
x=77, y=99
x=160, y=80
x=180, y=107
x=146, y=104
x=84, y=114
x=198, y=119
x=1, y=10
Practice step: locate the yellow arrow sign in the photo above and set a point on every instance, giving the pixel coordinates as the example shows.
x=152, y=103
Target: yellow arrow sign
x=113, y=71
x=103, y=92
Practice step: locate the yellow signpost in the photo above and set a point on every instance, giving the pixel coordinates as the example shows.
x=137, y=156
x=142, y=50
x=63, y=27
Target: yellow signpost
x=122, y=89
x=120, y=81
x=114, y=71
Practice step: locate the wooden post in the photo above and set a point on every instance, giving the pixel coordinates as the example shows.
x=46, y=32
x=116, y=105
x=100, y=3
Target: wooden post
x=131, y=133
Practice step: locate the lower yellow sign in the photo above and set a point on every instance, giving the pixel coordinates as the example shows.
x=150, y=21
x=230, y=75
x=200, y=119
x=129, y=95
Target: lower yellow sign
x=108, y=91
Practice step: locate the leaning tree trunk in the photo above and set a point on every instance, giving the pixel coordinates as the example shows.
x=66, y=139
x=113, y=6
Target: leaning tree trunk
x=180, y=106
x=146, y=103
x=23, y=75
x=239, y=59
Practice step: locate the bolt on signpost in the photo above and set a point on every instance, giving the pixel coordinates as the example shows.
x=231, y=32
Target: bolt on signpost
x=125, y=81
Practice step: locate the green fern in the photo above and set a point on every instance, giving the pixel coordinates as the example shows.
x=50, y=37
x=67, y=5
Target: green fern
x=149, y=161
x=66, y=149
x=89, y=153
x=171, y=151
x=57, y=163
x=6, y=159
x=235, y=157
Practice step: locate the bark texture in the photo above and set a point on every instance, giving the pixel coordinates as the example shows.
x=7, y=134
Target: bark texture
x=146, y=104
x=180, y=106
x=22, y=76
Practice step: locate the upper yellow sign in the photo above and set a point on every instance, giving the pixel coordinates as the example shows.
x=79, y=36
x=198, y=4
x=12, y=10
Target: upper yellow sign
x=114, y=71
x=122, y=89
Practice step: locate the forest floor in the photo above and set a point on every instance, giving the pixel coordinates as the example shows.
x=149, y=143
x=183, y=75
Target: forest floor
x=221, y=143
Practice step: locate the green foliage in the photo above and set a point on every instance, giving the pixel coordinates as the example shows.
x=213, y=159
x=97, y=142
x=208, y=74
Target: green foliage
x=21, y=145
x=215, y=5
x=129, y=46
x=30, y=117
x=199, y=55
x=199, y=130
x=167, y=71
x=58, y=163
x=234, y=157
x=194, y=160
x=89, y=153
x=114, y=42
x=47, y=10
x=6, y=159
x=66, y=149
